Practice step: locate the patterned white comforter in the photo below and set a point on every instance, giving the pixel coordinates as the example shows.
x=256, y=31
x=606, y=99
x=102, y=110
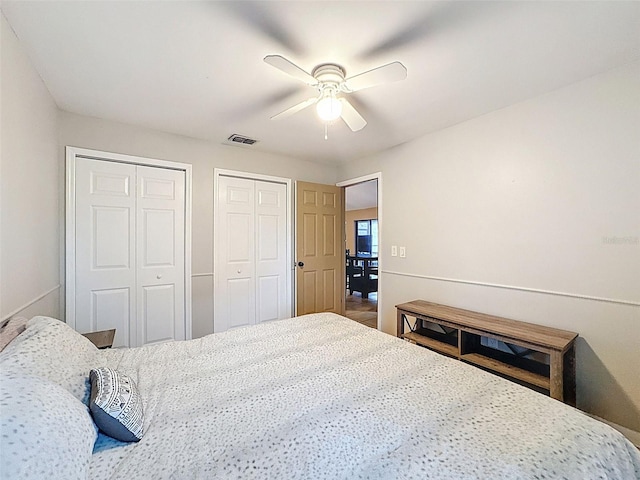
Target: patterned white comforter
x=322, y=397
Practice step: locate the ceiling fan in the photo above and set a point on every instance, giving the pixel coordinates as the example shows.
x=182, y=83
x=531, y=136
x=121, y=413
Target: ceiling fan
x=329, y=79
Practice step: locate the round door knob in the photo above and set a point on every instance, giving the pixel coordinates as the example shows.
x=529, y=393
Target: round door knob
x=158, y=277
x=239, y=271
x=301, y=264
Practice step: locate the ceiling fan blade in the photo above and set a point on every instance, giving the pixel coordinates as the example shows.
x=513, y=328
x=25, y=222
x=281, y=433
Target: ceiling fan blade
x=295, y=109
x=290, y=68
x=391, y=72
x=351, y=116
x=434, y=19
x=262, y=18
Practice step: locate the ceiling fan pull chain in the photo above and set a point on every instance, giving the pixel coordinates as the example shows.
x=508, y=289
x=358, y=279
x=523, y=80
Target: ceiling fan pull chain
x=326, y=130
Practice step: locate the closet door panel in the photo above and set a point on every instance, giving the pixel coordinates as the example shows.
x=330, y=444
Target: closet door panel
x=160, y=211
x=110, y=252
x=239, y=239
x=158, y=313
x=110, y=308
x=105, y=248
x=271, y=251
x=269, y=291
x=241, y=311
x=158, y=224
x=235, y=299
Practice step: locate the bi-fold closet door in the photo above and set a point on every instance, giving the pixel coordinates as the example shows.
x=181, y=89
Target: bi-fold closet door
x=251, y=253
x=129, y=251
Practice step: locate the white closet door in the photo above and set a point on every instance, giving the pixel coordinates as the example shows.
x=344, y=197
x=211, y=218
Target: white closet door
x=105, y=248
x=235, y=297
x=160, y=255
x=130, y=251
x=272, y=302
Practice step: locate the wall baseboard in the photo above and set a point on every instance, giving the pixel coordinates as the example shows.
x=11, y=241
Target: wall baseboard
x=28, y=304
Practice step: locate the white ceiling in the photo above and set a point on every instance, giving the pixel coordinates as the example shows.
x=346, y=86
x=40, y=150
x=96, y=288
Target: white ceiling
x=361, y=195
x=196, y=69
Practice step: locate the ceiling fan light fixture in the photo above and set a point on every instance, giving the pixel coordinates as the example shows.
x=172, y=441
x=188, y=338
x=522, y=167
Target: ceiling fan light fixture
x=329, y=79
x=329, y=108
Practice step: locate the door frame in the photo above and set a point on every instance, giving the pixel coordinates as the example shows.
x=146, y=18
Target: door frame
x=72, y=154
x=222, y=172
x=365, y=178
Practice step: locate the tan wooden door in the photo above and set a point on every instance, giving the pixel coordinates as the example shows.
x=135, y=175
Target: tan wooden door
x=320, y=248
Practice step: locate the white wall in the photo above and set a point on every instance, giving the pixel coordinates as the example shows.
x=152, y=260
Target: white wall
x=543, y=195
x=87, y=132
x=29, y=193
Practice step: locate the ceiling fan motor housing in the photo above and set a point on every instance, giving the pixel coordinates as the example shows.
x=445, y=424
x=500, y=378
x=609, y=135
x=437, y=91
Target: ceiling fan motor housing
x=329, y=75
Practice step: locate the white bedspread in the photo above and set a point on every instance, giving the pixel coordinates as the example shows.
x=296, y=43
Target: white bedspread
x=320, y=397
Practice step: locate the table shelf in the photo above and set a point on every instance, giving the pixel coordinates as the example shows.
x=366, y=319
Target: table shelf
x=506, y=369
x=432, y=343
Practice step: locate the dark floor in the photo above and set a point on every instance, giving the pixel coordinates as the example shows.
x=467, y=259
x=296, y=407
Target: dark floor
x=362, y=310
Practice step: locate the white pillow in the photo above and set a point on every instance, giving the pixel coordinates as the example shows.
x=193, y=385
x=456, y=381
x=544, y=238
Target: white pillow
x=46, y=432
x=51, y=349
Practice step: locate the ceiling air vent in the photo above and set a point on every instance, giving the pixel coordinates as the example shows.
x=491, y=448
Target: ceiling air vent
x=235, y=138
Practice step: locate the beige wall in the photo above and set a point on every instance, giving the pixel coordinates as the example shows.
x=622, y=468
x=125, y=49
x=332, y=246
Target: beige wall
x=350, y=217
x=29, y=194
x=532, y=196
x=93, y=133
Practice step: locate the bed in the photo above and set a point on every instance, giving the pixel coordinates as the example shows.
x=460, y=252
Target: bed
x=312, y=397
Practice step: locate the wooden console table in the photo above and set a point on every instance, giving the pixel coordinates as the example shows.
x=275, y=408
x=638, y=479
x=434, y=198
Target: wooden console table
x=459, y=334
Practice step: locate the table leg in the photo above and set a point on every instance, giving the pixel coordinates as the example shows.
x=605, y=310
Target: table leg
x=556, y=376
x=569, y=375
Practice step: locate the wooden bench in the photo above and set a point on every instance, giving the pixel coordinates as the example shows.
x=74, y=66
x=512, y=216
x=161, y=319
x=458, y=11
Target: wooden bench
x=531, y=354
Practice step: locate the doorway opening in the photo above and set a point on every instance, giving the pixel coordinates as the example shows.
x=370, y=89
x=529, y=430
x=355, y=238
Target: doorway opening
x=362, y=252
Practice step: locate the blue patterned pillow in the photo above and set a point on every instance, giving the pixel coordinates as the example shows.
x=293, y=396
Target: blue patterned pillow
x=116, y=405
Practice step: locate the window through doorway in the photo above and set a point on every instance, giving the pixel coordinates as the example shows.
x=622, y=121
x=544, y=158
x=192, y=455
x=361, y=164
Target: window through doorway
x=367, y=237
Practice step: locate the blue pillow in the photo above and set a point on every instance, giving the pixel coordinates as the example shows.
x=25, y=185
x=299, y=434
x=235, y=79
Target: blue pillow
x=116, y=405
